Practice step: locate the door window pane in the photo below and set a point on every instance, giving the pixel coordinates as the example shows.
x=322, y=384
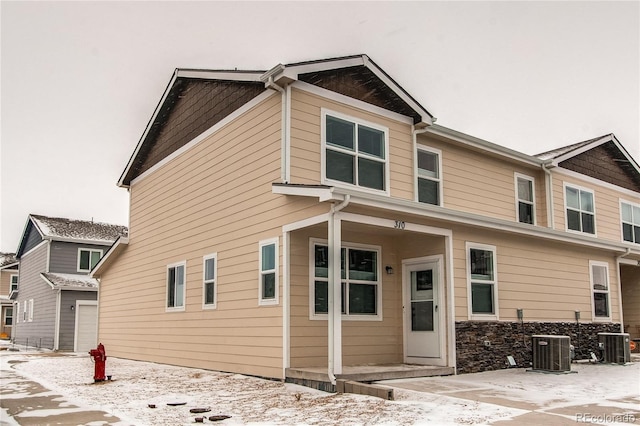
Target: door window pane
x=422, y=316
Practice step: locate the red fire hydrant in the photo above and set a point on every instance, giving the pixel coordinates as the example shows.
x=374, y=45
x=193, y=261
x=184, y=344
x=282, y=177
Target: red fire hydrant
x=100, y=359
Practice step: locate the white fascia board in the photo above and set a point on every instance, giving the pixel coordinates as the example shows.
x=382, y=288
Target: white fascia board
x=424, y=114
x=113, y=251
x=81, y=241
x=167, y=90
x=356, y=103
x=582, y=149
x=323, y=194
x=9, y=266
x=485, y=145
x=47, y=281
x=463, y=218
x=252, y=76
x=593, y=181
x=294, y=70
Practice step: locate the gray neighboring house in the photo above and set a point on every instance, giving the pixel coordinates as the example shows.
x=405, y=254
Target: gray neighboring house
x=8, y=283
x=56, y=305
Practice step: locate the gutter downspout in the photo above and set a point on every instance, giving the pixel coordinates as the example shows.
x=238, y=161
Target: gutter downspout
x=618, y=258
x=549, y=194
x=284, y=120
x=334, y=293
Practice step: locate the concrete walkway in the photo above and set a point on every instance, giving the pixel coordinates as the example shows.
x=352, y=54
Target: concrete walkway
x=25, y=402
x=564, y=409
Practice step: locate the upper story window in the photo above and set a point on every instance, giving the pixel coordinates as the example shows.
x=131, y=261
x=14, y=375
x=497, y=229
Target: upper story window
x=354, y=152
x=482, y=281
x=87, y=259
x=268, y=272
x=525, y=198
x=176, y=286
x=599, y=273
x=429, y=175
x=580, y=209
x=210, y=274
x=360, y=281
x=14, y=283
x=630, y=214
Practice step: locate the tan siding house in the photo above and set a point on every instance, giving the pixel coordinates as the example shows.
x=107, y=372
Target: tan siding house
x=321, y=221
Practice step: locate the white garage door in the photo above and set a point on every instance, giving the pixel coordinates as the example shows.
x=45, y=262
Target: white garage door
x=86, y=327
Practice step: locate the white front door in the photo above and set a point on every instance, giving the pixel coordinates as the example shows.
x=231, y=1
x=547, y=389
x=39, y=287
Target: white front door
x=422, y=284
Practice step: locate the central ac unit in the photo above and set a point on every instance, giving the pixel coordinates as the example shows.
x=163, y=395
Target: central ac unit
x=551, y=353
x=616, y=347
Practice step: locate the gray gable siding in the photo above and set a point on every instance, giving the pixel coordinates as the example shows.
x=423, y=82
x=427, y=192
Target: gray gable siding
x=33, y=237
x=68, y=316
x=64, y=256
x=39, y=331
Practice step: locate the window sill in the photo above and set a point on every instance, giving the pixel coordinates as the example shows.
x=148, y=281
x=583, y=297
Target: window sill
x=179, y=309
x=482, y=317
x=210, y=307
x=601, y=319
x=268, y=302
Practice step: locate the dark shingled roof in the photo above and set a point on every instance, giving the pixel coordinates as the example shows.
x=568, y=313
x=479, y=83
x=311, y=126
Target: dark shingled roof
x=61, y=228
x=7, y=259
x=70, y=281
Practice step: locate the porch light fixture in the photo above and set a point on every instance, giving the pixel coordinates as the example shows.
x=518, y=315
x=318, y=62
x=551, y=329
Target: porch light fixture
x=389, y=270
x=72, y=307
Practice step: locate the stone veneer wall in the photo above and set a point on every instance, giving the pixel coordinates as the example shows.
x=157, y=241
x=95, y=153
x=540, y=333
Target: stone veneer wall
x=514, y=338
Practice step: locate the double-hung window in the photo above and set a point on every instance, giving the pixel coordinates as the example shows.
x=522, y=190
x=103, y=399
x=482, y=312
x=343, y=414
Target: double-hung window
x=429, y=164
x=630, y=222
x=209, y=278
x=268, y=262
x=360, y=281
x=30, y=310
x=580, y=209
x=14, y=283
x=176, y=286
x=526, y=199
x=355, y=152
x=599, y=274
x=482, y=280
x=87, y=259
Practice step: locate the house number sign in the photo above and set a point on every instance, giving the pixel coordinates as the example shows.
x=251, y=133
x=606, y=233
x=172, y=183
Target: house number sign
x=399, y=224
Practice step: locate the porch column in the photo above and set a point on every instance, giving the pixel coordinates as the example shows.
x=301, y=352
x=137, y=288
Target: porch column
x=335, y=296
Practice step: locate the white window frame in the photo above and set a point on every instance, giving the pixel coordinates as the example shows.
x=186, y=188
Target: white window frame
x=357, y=121
x=430, y=150
x=17, y=312
x=184, y=287
x=312, y=278
x=496, y=308
x=275, y=300
x=90, y=250
x=531, y=179
x=593, y=291
x=213, y=281
x=30, y=318
x=566, y=185
x=622, y=221
x=11, y=283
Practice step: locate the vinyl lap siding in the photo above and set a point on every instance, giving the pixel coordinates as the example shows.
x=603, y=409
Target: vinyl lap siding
x=548, y=281
x=306, y=144
x=32, y=286
x=216, y=197
x=64, y=256
x=607, y=206
x=68, y=316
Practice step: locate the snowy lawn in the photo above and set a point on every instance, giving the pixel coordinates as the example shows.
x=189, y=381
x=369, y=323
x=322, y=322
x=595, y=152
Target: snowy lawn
x=249, y=400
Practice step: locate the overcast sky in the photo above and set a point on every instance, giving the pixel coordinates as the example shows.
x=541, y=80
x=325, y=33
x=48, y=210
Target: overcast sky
x=80, y=80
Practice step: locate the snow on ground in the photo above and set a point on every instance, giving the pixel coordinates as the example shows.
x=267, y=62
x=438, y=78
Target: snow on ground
x=249, y=400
